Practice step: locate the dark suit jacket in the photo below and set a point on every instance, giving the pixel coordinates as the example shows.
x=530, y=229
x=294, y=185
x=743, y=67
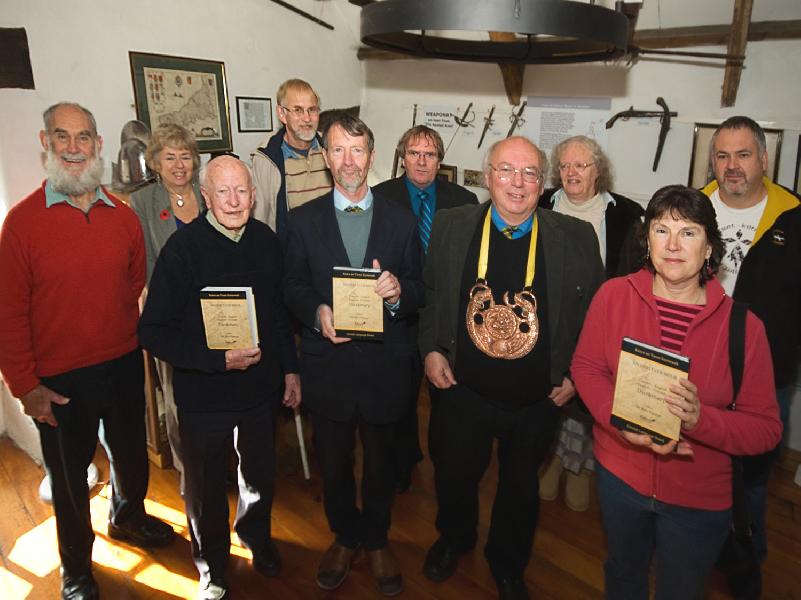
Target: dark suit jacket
x=449, y=195
x=572, y=264
x=373, y=377
x=623, y=220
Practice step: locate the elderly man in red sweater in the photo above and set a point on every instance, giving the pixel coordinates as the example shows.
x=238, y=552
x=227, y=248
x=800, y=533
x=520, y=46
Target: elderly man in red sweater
x=72, y=266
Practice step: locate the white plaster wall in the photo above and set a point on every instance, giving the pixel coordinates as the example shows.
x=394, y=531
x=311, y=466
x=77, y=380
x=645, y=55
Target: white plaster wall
x=79, y=51
x=18, y=426
x=767, y=93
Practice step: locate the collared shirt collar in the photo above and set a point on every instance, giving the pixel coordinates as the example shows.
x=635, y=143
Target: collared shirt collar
x=53, y=197
x=290, y=152
x=430, y=189
x=234, y=236
x=413, y=190
x=341, y=203
x=522, y=229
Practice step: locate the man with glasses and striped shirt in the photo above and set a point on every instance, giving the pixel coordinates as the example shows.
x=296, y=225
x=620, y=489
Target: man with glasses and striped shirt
x=288, y=167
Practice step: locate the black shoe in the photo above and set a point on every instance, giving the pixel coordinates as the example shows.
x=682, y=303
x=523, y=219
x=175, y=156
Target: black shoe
x=268, y=561
x=82, y=587
x=147, y=532
x=512, y=588
x=441, y=561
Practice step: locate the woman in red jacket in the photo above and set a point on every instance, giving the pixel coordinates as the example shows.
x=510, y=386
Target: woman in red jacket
x=673, y=501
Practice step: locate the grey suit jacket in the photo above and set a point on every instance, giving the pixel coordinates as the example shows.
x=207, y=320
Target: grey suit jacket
x=149, y=204
x=573, y=267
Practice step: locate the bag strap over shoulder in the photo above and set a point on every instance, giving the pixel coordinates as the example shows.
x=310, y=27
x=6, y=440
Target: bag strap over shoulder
x=737, y=347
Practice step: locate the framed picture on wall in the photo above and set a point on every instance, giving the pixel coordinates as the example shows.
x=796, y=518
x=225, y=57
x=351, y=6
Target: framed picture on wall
x=447, y=173
x=700, y=168
x=189, y=92
x=797, y=179
x=254, y=114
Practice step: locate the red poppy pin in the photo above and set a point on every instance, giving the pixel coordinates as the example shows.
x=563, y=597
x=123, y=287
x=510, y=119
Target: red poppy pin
x=164, y=214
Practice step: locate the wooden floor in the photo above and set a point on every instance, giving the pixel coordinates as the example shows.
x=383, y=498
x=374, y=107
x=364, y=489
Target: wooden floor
x=567, y=562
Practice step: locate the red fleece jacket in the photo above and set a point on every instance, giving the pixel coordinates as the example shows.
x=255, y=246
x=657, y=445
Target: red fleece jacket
x=625, y=306
x=69, y=288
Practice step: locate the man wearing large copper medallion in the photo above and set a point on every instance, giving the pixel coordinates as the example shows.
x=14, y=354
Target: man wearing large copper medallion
x=507, y=287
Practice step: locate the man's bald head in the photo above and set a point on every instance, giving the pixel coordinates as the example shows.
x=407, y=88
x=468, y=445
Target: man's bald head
x=227, y=186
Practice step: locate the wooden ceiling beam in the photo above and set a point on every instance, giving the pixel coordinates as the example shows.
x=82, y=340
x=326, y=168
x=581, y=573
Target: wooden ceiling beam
x=714, y=35
x=737, y=43
x=512, y=73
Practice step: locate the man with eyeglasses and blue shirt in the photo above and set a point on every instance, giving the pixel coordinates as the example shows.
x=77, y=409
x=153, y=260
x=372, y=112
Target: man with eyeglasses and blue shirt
x=288, y=166
x=419, y=190
x=507, y=287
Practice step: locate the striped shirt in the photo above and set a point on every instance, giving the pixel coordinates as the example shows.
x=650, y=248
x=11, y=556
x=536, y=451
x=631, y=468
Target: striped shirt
x=674, y=320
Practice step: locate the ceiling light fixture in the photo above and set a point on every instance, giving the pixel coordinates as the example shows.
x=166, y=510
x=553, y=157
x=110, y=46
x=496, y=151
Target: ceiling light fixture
x=546, y=31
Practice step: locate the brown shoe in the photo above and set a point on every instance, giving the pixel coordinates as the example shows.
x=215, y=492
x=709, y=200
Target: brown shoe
x=386, y=571
x=334, y=566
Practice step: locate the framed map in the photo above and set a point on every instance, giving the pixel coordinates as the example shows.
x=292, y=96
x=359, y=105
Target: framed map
x=189, y=92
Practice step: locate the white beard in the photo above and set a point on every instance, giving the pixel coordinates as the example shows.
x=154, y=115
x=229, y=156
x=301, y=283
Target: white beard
x=71, y=184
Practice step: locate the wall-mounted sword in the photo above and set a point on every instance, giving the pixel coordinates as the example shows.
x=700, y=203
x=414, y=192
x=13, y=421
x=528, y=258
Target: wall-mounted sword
x=517, y=118
x=488, y=121
x=664, y=118
x=463, y=122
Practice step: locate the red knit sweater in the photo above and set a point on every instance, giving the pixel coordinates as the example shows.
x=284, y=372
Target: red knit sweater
x=69, y=288
x=625, y=306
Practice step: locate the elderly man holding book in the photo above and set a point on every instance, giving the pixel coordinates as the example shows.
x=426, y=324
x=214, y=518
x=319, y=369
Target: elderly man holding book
x=224, y=391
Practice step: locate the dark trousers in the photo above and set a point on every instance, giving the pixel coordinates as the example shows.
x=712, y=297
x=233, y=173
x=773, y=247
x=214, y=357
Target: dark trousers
x=334, y=442
x=109, y=394
x=407, y=437
x=463, y=427
x=684, y=543
x=205, y=439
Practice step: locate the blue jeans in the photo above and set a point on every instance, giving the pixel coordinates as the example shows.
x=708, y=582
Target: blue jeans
x=758, y=493
x=684, y=541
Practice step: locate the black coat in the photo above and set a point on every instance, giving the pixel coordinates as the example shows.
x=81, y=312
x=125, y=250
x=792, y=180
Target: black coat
x=449, y=195
x=171, y=326
x=373, y=377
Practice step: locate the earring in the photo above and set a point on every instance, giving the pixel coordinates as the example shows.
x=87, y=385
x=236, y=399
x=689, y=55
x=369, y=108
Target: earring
x=707, y=268
x=647, y=253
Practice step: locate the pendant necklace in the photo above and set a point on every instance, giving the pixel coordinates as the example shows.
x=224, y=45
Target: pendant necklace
x=179, y=198
x=509, y=330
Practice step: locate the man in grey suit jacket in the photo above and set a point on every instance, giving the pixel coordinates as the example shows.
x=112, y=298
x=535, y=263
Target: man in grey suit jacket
x=351, y=384
x=423, y=193
x=501, y=366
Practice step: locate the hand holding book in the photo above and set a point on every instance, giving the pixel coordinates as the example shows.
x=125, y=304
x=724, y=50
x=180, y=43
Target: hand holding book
x=241, y=358
x=685, y=403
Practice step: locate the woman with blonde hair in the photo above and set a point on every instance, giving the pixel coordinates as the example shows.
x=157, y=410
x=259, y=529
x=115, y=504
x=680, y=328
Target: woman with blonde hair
x=162, y=207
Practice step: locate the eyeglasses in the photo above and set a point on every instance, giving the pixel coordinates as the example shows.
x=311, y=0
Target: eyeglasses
x=299, y=111
x=579, y=167
x=507, y=173
x=416, y=154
